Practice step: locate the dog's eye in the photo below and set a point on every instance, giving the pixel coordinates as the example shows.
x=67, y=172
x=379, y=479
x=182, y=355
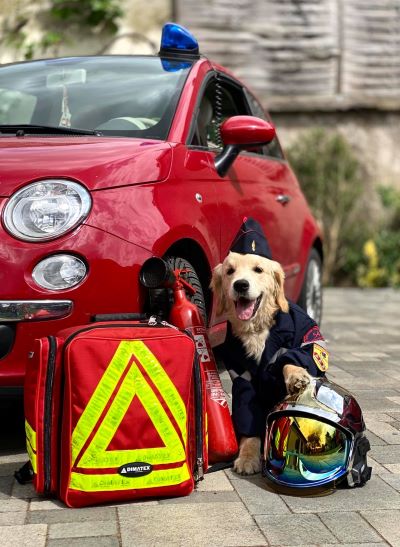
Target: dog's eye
x=230, y=271
x=257, y=269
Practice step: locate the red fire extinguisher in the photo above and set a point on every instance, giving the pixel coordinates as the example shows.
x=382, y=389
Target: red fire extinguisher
x=222, y=443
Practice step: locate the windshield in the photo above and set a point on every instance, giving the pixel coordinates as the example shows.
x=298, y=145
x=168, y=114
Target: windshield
x=117, y=96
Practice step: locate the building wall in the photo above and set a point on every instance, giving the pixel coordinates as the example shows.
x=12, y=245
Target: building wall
x=346, y=50
x=334, y=63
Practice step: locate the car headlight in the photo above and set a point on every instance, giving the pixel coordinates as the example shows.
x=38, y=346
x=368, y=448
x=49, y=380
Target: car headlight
x=47, y=209
x=59, y=272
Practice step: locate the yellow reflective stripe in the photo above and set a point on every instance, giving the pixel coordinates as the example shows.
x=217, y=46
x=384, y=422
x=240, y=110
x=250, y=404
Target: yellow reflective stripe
x=32, y=455
x=100, y=398
x=30, y=434
x=164, y=385
x=96, y=455
x=110, y=482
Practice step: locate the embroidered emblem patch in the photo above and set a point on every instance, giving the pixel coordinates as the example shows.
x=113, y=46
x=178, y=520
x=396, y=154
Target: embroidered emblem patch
x=312, y=335
x=320, y=356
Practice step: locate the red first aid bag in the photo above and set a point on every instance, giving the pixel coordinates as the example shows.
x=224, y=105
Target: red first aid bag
x=114, y=411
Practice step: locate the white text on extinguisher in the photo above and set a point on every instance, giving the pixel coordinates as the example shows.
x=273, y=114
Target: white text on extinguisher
x=214, y=388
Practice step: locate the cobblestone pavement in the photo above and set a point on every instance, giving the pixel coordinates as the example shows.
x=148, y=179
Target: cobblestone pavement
x=363, y=329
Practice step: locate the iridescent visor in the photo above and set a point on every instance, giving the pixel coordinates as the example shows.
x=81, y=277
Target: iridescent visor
x=305, y=452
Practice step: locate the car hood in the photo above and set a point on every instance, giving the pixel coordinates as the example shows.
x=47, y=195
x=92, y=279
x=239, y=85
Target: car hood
x=97, y=162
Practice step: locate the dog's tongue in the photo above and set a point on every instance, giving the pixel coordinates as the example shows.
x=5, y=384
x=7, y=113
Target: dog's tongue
x=245, y=308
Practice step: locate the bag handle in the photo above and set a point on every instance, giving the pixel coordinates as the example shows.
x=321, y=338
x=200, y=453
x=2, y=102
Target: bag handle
x=119, y=317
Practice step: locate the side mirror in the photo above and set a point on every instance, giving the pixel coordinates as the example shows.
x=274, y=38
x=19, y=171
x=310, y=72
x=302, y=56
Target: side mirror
x=241, y=133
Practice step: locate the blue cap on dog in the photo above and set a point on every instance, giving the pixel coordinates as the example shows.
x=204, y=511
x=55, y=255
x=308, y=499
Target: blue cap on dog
x=251, y=239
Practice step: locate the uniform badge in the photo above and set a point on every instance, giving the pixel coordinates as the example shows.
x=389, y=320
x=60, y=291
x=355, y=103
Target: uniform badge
x=320, y=356
x=253, y=245
x=312, y=335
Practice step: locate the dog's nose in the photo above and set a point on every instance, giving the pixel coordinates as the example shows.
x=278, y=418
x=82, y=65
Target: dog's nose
x=241, y=285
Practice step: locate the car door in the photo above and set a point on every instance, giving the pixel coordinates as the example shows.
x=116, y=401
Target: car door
x=258, y=184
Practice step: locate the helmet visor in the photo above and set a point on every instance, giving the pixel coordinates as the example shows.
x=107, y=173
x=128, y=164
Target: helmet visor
x=304, y=451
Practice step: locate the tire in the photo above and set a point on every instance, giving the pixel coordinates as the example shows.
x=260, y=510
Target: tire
x=161, y=300
x=192, y=278
x=310, y=298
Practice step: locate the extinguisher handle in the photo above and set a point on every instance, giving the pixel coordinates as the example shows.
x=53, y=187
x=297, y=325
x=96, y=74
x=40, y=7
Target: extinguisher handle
x=191, y=290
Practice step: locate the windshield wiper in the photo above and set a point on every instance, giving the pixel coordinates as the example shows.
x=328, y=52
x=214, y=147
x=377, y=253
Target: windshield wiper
x=22, y=129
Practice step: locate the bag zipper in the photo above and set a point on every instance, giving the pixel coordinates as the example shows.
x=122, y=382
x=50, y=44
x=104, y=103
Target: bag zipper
x=152, y=322
x=48, y=404
x=198, y=472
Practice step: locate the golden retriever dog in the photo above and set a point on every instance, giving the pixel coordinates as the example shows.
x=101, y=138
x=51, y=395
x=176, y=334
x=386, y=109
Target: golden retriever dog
x=249, y=292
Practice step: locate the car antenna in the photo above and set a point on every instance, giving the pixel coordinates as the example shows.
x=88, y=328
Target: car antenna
x=218, y=107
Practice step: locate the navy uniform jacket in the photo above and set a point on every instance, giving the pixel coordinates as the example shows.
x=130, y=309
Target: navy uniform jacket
x=257, y=388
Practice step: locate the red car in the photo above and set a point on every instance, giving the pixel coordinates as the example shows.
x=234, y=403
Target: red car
x=107, y=161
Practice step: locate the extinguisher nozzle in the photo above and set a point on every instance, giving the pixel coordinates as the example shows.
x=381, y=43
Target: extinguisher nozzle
x=155, y=272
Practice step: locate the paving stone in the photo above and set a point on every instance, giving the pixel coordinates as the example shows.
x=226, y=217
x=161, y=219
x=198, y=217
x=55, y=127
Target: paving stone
x=351, y=544
x=258, y=497
x=294, y=530
x=385, y=431
x=82, y=529
x=393, y=467
x=387, y=454
x=377, y=468
x=376, y=494
x=204, y=497
x=386, y=523
x=106, y=541
x=214, y=524
x=8, y=519
x=86, y=514
x=5, y=487
x=393, y=479
x=374, y=439
x=380, y=400
x=13, y=504
x=370, y=354
x=24, y=491
x=349, y=527
x=22, y=536
x=215, y=482
x=43, y=504
x=14, y=458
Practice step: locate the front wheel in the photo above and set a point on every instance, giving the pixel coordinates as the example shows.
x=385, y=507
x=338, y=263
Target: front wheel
x=160, y=300
x=192, y=278
x=310, y=298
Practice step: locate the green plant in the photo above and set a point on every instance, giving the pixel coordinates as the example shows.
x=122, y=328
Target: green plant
x=332, y=179
x=380, y=264
x=59, y=20
x=92, y=13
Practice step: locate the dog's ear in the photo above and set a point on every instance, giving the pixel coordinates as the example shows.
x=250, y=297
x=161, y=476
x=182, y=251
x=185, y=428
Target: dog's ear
x=216, y=287
x=280, y=298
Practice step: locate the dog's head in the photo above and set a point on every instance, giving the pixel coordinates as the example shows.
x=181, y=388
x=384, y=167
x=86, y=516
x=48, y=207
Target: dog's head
x=249, y=288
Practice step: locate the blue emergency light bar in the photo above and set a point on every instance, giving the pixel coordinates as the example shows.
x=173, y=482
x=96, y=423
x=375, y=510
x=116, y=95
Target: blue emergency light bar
x=178, y=41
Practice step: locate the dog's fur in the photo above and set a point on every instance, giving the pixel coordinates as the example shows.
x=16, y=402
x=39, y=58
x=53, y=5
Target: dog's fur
x=249, y=290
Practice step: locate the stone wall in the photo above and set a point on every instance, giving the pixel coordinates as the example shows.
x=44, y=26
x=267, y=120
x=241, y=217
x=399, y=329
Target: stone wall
x=139, y=30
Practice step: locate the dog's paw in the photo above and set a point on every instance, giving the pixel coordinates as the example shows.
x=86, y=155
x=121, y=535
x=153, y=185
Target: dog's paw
x=248, y=462
x=247, y=466
x=296, y=379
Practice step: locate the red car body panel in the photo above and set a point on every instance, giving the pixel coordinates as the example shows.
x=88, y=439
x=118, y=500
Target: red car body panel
x=147, y=195
x=97, y=163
